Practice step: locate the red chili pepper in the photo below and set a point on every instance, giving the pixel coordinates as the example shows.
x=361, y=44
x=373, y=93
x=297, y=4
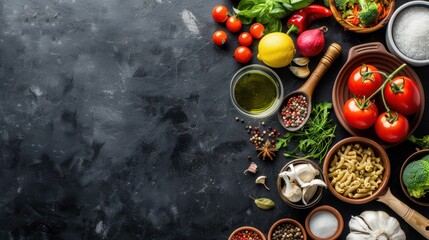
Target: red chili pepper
x=301, y=19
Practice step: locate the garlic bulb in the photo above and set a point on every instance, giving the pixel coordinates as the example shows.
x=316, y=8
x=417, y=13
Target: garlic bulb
x=375, y=225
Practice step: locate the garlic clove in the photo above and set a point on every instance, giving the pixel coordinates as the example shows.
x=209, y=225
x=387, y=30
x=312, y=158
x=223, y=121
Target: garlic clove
x=358, y=224
x=306, y=172
x=308, y=193
x=301, y=61
x=294, y=195
x=301, y=72
x=315, y=182
x=357, y=236
x=293, y=176
x=261, y=180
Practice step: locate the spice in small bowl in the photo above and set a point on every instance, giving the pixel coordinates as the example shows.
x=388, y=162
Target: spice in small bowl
x=324, y=223
x=247, y=232
x=287, y=229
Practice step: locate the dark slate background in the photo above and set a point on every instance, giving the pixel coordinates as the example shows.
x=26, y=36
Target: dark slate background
x=116, y=123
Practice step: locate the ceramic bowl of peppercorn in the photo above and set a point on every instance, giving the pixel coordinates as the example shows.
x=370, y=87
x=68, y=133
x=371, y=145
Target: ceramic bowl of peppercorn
x=247, y=232
x=362, y=16
x=300, y=183
x=377, y=96
x=287, y=228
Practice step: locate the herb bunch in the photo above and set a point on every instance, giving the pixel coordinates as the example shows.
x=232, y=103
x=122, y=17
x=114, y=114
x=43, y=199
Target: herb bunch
x=314, y=139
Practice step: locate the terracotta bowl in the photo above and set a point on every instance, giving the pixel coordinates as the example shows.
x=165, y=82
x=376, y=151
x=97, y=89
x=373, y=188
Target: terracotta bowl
x=286, y=220
x=246, y=228
x=415, y=156
x=334, y=212
x=337, y=15
x=375, y=54
x=319, y=193
x=378, y=151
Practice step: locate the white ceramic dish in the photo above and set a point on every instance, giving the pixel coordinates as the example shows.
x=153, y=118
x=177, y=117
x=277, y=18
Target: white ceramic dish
x=390, y=42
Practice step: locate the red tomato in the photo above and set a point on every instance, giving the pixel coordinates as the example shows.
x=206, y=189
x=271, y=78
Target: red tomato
x=403, y=95
x=220, y=13
x=242, y=54
x=233, y=24
x=220, y=37
x=257, y=30
x=360, y=86
x=357, y=117
x=392, y=132
x=245, y=39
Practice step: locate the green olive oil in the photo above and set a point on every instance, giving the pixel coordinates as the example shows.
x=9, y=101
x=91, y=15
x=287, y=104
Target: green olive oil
x=255, y=92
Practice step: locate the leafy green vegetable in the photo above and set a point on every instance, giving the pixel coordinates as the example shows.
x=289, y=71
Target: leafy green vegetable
x=314, y=139
x=268, y=12
x=422, y=142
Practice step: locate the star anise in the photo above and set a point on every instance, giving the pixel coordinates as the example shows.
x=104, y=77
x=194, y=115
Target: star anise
x=267, y=150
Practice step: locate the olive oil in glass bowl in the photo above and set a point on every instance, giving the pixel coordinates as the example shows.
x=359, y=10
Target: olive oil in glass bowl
x=256, y=91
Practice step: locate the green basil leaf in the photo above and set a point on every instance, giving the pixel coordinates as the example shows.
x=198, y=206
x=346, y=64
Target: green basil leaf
x=278, y=11
x=245, y=20
x=264, y=17
x=275, y=25
x=246, y=4
x=249, y=13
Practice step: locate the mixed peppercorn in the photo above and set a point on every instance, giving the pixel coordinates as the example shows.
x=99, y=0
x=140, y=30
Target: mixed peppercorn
x=287, y=231
x=246, y=235
x=295, y=111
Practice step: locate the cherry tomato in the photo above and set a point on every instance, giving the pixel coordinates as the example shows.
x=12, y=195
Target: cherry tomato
x=357, y=117
x=394, y=131
x=403, y=95
x=361, y=86
x=220, y=13
x=242, y=54
x=257, y=30
x=245, y=39
x=220, y=37
x=233, y=24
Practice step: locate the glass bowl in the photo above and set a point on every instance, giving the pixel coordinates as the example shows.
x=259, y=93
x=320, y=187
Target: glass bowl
x=256, y=91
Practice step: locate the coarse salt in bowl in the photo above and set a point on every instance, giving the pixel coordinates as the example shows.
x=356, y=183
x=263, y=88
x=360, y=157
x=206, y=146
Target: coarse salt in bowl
x=407, y=33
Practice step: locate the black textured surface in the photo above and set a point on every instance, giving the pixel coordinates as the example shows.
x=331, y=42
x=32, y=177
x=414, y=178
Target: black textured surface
x=116, y=123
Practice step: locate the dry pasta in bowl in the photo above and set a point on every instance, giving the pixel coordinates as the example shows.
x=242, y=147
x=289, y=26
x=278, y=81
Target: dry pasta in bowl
x=356, y=170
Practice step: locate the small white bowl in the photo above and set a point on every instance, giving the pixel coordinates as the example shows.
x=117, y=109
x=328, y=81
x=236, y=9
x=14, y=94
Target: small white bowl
x=390, y=42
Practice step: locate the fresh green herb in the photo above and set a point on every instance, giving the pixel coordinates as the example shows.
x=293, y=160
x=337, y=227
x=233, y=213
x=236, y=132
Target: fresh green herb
x=314, y=139
x=268, y=12
x=421, y=142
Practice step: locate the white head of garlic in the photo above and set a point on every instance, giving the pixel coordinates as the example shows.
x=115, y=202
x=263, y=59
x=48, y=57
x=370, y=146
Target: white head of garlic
x=375, y=225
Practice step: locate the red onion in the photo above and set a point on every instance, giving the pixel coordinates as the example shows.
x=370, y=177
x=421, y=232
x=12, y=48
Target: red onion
x=311, y=42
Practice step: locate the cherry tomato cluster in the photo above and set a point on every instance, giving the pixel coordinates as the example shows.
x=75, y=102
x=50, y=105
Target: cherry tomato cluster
x=242, y=53
x=400, y=96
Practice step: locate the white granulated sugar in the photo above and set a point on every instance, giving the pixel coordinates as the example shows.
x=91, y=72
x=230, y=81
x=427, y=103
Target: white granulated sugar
x=190, y=21
x=411, y=32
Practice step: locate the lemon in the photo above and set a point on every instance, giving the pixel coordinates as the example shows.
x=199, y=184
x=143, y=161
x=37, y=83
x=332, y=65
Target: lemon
x=276, y=49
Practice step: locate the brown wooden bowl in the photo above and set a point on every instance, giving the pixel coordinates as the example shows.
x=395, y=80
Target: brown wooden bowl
x=286, y=220
x=248, y=228
x=424, y=201
x=337, y=15
x=378, y=151
x=334, y=212
x=317, y=196
x=373, y=53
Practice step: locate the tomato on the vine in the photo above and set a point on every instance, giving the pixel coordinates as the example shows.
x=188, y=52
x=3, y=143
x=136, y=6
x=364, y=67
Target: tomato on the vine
x=403, y=95
x=361, y=85
x=245, y=39
x=392, y=127
x=233, y=24
x=220, y=13
x=257, y=30
x=358, y=114
x=220, y=37
x=242, y=54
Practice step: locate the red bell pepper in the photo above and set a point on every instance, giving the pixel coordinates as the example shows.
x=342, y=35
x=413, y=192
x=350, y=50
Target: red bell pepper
x=301, y=19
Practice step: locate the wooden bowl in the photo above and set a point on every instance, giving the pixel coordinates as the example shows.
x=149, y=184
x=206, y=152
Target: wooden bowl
x=378, y=151
x=334, y=212
x=247, y=228
x=286, y=220
x=373, y=53
x=337, y=15
x=424, y=201
x=317, y=196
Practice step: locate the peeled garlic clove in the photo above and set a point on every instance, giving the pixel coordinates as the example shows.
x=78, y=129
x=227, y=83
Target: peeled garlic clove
x=301, y=61
x=301, y=72
x=261, y=180
x=294, y=195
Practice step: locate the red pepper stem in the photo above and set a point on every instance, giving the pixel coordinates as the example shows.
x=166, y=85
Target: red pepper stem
x=292, y=28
